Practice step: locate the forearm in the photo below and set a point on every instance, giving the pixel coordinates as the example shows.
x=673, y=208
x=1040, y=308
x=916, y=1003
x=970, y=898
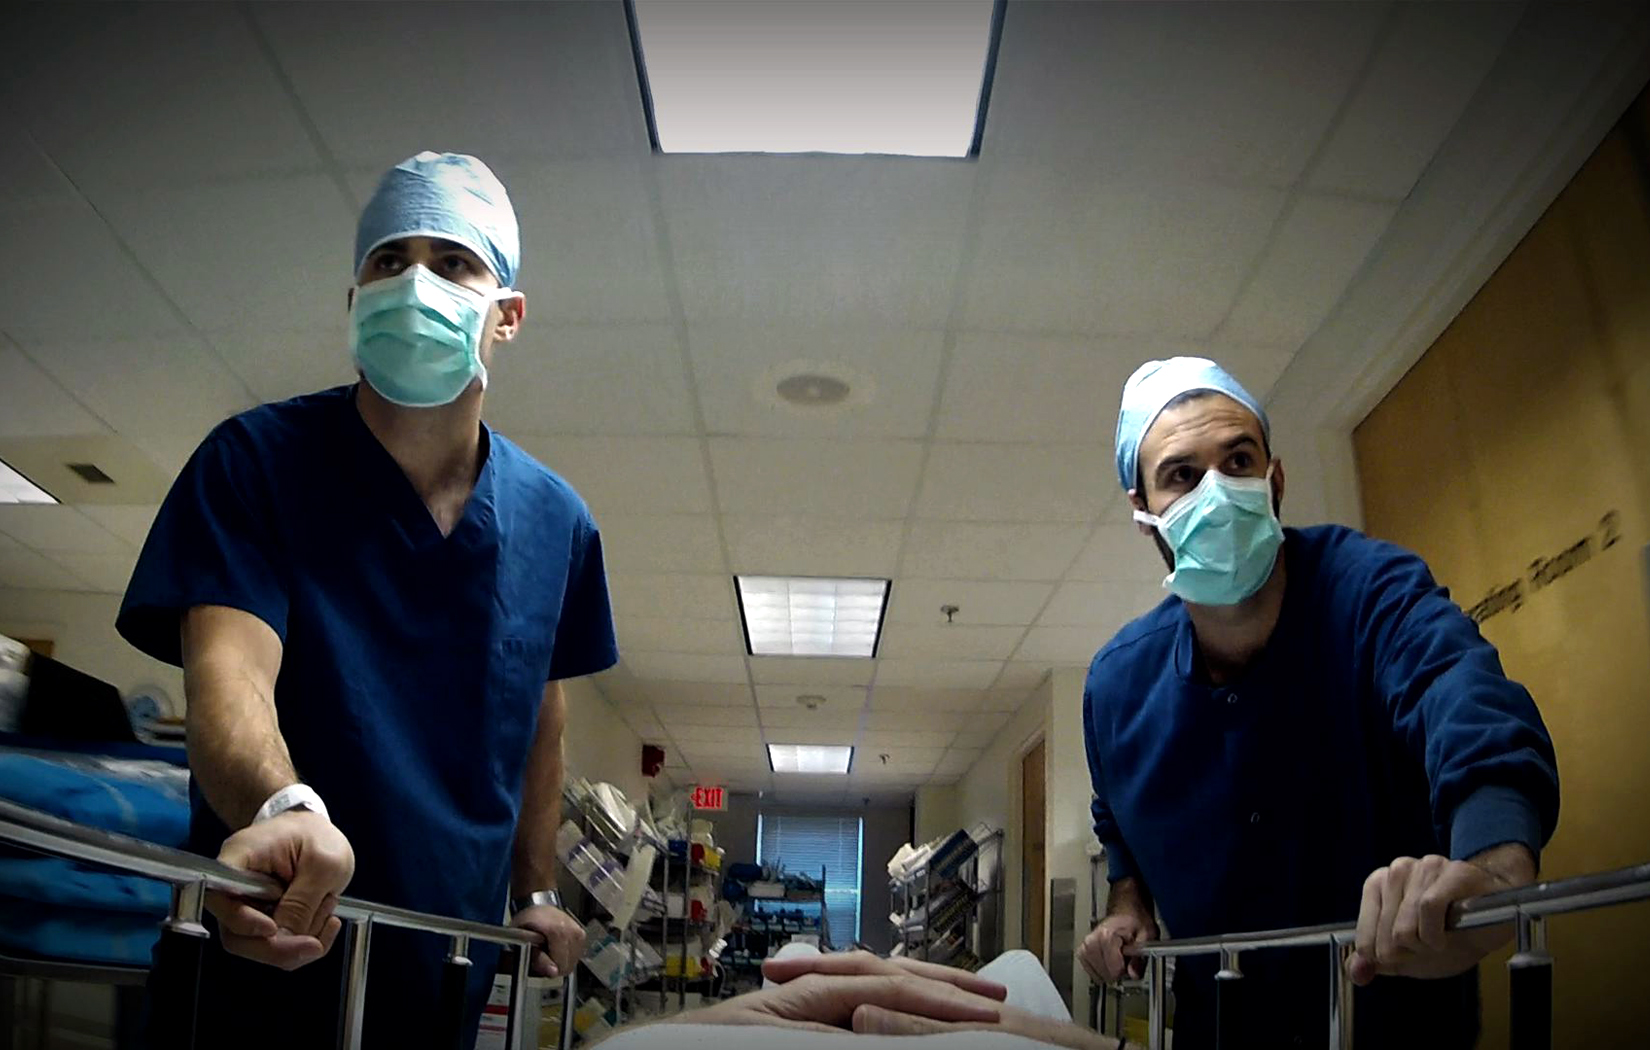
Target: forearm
x=1511, y=862
x=236, y=752
x=1129, y=896
x=534, y=866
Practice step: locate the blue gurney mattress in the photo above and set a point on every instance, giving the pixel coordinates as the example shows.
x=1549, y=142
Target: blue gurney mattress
x=59, y=909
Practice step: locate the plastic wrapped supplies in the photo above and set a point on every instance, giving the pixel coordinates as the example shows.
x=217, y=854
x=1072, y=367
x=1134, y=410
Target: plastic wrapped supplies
x=620, y=891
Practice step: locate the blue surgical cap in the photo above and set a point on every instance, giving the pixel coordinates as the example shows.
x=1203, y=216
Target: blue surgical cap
x=447, y=195
x=1151, y=388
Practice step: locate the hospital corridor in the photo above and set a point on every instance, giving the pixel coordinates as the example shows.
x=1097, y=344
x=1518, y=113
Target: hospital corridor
x=825, y=524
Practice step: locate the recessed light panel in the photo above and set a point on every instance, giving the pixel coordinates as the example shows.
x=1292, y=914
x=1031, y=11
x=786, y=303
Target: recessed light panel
x=810, y=758
x=811, y=615
x=900, y=77
x=15, y=488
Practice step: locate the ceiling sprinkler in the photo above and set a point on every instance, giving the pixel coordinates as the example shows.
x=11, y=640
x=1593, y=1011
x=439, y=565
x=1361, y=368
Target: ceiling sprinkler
x=811, y=701
x=950, y=611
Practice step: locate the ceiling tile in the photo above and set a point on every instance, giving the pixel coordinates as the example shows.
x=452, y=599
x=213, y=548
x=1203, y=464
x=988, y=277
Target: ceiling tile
x=957, y=761
x=637, y=690
x=661, y=543
x=32, y=404
x=154, y=97
x=68, y=246
x=1118, y=551
x=650, y=729
x=1006, y=387
x=618, y=475
x=917, y=720
x=130, y=523
x=902, y=759
x=1088, y=258
x=970, y=739
x=836, y=698
x=31, y=570
x=55, y=528
x=1004, y=702
x=927, y=699
x=809, y=786
x=182, y=236
x=949, y=641
x=853, y=479
x=687, y=667
x=280, y=362
x=1319, y=250
x=1103, y=606
x=689, y=735
x=348, y=66
x=1210, y=92
x=878, y=740
x=671, y=635
x=890, y=374
x=840, y=735
x=1062, y=645
x=1427, y=70
x=702, y=751
x=884, y=239
x=812, y=546
x=584, y=379
x=974, y=551
x=32, y=177
x=1021, y=676
x=978, y=602
x=828, y=719
x=105, y=573
x=1030, y=483
x=685, y=595
x=591, y=255
x=676, y=714
x=937, y=674
x=792, y=671
x=164, y=395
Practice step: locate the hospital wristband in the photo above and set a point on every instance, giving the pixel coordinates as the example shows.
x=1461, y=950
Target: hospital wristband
x=293, y=796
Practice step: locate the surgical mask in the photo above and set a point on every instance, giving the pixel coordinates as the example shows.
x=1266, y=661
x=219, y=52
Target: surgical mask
x=417, y=338
x=1225, y=538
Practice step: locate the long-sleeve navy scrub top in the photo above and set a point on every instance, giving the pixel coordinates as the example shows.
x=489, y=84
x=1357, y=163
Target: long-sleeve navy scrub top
x=1376, y=723
x=411, y=677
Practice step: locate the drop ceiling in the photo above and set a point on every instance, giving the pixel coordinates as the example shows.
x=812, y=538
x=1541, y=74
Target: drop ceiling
x=1304, y=191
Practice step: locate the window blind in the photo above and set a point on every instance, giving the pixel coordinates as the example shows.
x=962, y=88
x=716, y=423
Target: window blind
x=804, y=845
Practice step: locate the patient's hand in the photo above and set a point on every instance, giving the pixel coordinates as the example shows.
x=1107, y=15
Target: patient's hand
x=866, y=964
x=830, y=1002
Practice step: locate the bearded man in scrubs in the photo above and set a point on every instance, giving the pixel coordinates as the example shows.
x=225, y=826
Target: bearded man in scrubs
x=373, y=597
x=1307, y=730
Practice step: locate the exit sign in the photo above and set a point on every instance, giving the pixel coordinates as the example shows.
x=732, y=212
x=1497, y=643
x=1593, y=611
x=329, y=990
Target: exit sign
x=710, y=798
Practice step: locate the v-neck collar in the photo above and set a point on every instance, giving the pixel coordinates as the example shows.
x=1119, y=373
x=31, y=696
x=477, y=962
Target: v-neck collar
x=389, y=490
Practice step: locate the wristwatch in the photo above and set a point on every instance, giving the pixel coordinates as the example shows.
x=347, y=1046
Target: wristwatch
x=536, y=899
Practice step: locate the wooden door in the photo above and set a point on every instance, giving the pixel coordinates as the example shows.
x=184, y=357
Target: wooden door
x=1034, y=867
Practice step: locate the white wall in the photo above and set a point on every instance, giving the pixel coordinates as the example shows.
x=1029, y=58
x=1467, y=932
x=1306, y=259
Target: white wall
x=935, y=812
x=599, y=746
x=81, y=626
x=990, y=792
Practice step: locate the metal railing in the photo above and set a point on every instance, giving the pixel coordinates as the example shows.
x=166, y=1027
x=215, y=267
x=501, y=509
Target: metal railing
x=183, y=936
x=1530, y=969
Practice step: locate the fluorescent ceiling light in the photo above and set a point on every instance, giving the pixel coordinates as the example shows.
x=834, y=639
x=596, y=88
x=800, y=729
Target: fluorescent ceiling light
x=810, y=758
x=903, y=77
x=15, y=488
x=811, y=615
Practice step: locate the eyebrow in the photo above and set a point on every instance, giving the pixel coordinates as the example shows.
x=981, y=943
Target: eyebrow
x=437, y=244
x=1231, y=446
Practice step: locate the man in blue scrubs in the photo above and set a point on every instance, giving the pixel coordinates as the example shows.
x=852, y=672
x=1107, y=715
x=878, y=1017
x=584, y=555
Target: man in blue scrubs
x=373, y=597
x=1306, y=731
